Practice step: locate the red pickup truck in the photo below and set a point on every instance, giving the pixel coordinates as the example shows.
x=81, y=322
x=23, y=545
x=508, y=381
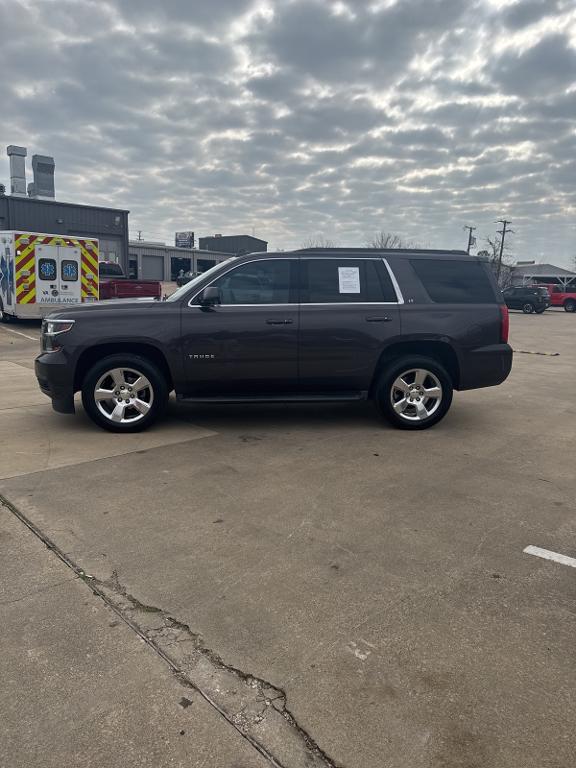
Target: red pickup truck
x=114, y=284
x=563, y=296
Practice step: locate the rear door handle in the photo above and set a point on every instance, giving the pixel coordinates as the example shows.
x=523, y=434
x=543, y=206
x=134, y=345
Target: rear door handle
x=288, y=321
x=378, y=319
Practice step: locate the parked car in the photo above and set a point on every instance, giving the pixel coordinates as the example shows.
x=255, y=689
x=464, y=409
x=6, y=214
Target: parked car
x=563, y=296
x=403, y=328
x=528, y=298
x=115, y=285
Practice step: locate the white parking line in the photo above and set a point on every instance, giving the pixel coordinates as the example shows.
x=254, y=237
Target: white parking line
x=19, y=333
x=547, y=555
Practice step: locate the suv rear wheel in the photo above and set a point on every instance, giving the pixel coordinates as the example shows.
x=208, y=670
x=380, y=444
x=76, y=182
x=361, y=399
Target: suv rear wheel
x=570, y=305
x=414, y=393
x=124, y=393
x=527, y=308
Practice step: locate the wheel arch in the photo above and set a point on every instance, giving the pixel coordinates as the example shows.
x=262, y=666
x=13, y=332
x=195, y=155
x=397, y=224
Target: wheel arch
x=439, y=350
x=93, y=354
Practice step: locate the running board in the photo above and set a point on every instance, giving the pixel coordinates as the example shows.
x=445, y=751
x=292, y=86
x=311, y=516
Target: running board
x=343, y=397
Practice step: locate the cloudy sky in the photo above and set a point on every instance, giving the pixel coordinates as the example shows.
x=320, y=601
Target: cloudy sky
x=298, y=119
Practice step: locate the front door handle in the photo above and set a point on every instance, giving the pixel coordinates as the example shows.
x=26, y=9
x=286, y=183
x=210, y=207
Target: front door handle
x=287, y=321
x=378, y=319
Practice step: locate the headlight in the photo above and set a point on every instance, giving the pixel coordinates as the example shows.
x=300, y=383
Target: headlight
x=51, y=329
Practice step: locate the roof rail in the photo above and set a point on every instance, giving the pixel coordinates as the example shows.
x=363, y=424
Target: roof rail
x=380, y=250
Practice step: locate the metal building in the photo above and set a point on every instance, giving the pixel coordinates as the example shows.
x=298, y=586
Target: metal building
x=236, y=244
x=157, y=261
x=109, y=225
x=33, y=208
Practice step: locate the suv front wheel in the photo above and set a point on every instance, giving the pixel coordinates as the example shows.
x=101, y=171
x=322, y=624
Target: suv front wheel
x=570, y=305
x=124, y=393
x=414, y=393
x=527, y=308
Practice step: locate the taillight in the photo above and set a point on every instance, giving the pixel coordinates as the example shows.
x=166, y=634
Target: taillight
x=504, y=323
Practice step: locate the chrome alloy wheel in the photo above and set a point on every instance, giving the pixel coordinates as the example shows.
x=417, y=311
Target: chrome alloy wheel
x=123, y=395
x=416, y=394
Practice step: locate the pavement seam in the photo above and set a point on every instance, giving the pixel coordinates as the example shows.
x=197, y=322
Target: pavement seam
x=98, y=458
x=248, y=703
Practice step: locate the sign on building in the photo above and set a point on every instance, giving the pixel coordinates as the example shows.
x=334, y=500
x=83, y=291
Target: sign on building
x=184, y=240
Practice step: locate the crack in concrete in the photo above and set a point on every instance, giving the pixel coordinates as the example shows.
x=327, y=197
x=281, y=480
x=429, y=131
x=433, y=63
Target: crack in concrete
x=256, y=708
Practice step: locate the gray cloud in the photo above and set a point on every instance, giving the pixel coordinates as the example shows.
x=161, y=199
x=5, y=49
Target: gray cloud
x=298, y=119
x=547, y=67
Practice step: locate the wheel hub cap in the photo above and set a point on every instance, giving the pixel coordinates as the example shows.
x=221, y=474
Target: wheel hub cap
x=416, y=394
x=124, y=395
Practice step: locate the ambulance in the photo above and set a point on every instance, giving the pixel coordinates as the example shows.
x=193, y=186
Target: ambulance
x=42, y=273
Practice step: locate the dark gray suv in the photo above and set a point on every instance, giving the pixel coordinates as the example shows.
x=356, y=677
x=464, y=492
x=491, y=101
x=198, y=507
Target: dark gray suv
x=401, y=327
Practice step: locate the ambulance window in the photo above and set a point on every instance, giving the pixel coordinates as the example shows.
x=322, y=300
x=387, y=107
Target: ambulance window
x=69, y=271
x=47, y=269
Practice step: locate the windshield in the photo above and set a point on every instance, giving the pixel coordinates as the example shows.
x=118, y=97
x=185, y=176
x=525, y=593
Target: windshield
x=191, y=284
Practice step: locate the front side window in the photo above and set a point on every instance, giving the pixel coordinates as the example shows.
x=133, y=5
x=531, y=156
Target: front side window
x=258, y=282
x=341, y=281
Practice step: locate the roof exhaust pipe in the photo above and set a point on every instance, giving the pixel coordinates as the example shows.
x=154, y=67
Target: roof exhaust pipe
x=17, y=157
x=43, y=186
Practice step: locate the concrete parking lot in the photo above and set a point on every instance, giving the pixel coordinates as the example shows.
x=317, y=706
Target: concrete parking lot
x=292, y=586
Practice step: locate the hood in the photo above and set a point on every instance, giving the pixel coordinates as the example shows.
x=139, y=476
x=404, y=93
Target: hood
x=111, y=305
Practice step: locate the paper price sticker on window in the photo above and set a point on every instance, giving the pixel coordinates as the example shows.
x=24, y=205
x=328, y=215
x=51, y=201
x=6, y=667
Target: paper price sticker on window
x=349, y=279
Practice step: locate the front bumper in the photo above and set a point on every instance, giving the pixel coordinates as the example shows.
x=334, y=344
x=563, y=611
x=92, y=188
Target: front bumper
x=485, y=366
x=55, y=380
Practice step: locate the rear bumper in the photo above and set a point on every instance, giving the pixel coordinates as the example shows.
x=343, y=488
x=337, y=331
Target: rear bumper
x=485, y=366
x=54, y=379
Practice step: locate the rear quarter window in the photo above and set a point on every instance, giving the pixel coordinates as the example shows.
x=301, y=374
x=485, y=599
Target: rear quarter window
x=454, y=282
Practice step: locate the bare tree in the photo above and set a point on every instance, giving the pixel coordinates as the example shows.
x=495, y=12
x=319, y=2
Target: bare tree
x=319, y=242
x=386, y=240
x=492, y=253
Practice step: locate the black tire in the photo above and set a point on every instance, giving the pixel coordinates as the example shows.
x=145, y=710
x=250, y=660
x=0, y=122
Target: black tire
x=155, y=394
x=528, y=308
x=541, y=311
x=386, y=392
x=570, y=305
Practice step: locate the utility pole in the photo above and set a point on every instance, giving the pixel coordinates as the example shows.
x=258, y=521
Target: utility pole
x=502, y=232
x=140, y=238
x=471, y=239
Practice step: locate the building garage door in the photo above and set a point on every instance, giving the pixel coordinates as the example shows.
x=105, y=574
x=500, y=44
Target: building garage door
x=153, y=267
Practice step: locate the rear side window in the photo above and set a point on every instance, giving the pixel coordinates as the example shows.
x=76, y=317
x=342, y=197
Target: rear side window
x=109, y=269
x=345, y=281
x=454, y=282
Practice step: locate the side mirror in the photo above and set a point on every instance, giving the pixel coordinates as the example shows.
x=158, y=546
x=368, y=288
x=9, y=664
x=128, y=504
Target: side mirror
x=210, y=296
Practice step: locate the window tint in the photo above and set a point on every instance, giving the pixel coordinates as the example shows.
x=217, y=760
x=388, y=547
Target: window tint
x=454, y=282
x=259, y=282
x=332, y=281
x=69, y=270
x=47, y=269
x=110, y=269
